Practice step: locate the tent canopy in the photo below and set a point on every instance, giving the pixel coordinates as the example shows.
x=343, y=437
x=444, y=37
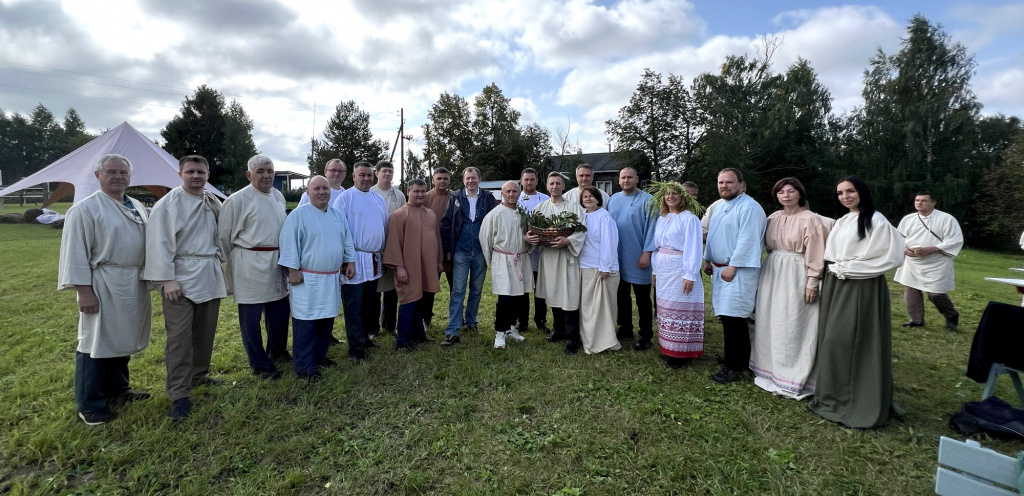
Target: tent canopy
x=152, y=167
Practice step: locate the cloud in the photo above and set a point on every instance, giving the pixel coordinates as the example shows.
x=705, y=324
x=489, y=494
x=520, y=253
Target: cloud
x=1000, y=91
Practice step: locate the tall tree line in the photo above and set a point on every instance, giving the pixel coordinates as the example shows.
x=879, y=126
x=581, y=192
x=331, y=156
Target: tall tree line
x=488, y=136
x=918, y=130
x=29, y=143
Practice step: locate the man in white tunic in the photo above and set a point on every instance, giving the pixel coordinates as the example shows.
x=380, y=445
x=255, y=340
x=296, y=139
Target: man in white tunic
x=102, y=252
x=733, y=258
x=315, y=246
x=248, y=230
x=529, y=200
x=932, y=238
x=335, y=171
x=183, y=258
x=394, y=199
x=558, y=270
x=584, y=178
x=506, y=252
x=367, y=217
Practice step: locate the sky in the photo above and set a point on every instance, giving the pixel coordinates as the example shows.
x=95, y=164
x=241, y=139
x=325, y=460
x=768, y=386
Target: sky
x=568, y=65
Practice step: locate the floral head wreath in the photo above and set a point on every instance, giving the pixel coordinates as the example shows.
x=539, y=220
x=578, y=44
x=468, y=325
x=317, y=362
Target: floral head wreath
x=658, y=189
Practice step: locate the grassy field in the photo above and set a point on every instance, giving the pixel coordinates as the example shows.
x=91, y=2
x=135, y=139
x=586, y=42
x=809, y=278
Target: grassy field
x=466, y=420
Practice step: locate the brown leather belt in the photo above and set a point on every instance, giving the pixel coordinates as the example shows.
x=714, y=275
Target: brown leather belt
x=719, y=265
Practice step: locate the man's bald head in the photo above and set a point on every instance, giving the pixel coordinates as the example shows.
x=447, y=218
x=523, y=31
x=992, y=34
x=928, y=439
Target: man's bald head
x=319, y=192
x=510, y=194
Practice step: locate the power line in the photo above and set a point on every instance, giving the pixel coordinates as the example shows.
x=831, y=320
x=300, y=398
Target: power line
x=86, y=96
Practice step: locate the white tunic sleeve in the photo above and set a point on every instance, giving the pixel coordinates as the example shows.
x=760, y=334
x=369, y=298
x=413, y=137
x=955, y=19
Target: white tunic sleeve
x=881, y=249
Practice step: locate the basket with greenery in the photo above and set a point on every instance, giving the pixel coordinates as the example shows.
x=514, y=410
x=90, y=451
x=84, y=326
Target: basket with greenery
x=550, y=228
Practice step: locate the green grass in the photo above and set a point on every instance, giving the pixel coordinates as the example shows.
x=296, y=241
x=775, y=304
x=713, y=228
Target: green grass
x=467, y=420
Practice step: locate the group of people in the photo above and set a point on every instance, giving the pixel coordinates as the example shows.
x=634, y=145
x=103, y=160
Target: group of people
x=820, y=297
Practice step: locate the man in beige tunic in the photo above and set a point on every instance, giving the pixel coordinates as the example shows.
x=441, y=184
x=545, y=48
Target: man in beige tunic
x=932, y=238
x=182, y=257
x=558, y=270
x=413, y=253
x=248, y=232
x=507, y=253
x=102, y=252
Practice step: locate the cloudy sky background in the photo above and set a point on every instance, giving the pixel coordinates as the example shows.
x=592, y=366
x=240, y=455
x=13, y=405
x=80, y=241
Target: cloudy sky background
x=561, y=61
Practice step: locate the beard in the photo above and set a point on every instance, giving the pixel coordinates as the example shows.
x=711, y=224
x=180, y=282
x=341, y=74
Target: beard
x=728, y=196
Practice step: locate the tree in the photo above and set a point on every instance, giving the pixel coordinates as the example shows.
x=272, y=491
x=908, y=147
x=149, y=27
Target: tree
x=199, y=130
x=75, y=134
x=536, y=143
x=448, y=133
x=415, y=168
x=238, y=144
x=47, y=139
x=348, y=137
x=657, y=123
x=498, y=150
x=918, y=127
x=1001, y=219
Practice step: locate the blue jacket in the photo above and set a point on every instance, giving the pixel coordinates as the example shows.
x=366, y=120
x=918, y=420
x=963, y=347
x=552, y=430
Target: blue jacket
x=454, y=217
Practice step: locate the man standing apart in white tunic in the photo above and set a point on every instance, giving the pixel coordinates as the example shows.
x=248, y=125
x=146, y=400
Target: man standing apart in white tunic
x=733, y=258
x=507, y=253
x=102, y=252
x=367, y=218
x=931, y=238
x=315, y=246
x=529, y=199
x=182, y=257
x=248, y=231
x=394, y=199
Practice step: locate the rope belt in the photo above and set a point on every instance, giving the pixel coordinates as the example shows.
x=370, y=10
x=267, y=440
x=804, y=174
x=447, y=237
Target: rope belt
x=515, y=260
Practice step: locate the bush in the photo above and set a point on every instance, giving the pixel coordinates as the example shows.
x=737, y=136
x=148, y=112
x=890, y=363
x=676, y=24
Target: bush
x=293, y=195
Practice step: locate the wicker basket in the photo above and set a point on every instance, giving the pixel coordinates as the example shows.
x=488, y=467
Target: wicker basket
x=549, y=234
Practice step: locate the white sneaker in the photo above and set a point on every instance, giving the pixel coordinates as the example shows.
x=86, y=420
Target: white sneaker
x=499, y=340
x=514, y=334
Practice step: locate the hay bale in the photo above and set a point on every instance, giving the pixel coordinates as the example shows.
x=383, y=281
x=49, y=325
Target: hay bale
x=57, y=224
x=11, y=219
x=32, y=213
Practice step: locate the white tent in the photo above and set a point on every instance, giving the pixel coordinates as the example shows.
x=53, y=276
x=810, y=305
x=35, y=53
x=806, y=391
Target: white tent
x=152, y=167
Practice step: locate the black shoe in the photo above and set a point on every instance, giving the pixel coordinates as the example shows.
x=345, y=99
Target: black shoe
x=727, y=376
x=97, y=417
x=205, y=380
x=556, y=337
x=951, y=324
x=623, y=335
x=449, y=339
x=130, y=396
x=267, y=373
x=180, y=408
x=912, y=324
x=313, y=378
x=642, y=344
x=571, y=348
x=676, y=363
x=327, y=363
x=334, y=340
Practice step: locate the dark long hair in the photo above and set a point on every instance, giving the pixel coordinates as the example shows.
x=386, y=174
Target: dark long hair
x=866, y=206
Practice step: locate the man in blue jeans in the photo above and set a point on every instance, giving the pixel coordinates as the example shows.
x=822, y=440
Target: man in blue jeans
x=460, y=230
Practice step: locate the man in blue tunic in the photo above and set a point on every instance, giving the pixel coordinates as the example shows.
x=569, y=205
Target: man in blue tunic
x=635, y=221
x=733, y=258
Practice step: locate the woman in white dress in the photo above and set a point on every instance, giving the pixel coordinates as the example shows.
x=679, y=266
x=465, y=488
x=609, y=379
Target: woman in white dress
x=676, y=263
x=786, y=330
x=599, y=270
x=854, y=381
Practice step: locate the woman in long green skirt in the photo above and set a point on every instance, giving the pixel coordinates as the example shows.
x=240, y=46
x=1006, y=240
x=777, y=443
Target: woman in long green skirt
x=854, y=383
